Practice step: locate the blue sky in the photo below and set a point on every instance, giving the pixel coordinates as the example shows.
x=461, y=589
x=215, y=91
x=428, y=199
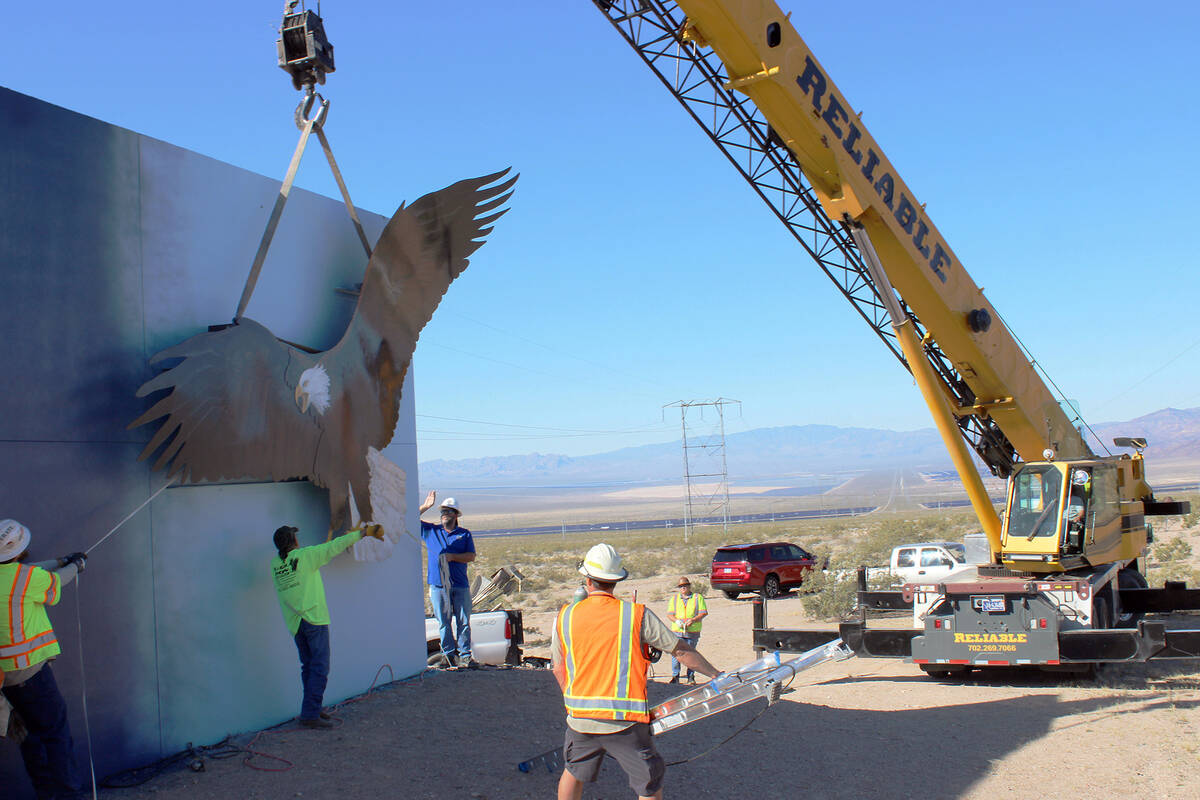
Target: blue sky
x=1051, y=142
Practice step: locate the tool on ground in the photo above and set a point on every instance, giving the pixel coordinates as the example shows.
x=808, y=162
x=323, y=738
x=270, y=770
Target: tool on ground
x=763, y=677
x=486, y=593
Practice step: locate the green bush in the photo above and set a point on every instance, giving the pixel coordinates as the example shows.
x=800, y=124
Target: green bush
x=1173, y=551
x=833, y=593
x=1173, y=563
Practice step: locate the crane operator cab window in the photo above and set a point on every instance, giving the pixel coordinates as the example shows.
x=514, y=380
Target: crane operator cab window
x=1075, y=516
x=1036, y=500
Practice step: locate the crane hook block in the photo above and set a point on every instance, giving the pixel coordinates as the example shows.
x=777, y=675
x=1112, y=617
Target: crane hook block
x=304, y=52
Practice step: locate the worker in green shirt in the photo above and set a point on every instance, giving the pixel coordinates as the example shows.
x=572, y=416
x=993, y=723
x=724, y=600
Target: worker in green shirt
x=296, y=571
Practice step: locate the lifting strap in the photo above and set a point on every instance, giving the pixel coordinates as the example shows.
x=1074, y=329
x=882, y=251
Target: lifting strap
x=307, y=125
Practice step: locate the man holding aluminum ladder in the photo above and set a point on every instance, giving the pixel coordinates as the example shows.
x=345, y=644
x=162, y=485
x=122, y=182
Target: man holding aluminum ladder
x=599, y=654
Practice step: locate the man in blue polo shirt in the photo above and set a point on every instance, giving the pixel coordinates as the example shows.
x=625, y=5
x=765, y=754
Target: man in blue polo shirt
x=450, y=548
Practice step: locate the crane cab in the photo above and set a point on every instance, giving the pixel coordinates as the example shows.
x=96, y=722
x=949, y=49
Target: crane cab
x=1062, y=515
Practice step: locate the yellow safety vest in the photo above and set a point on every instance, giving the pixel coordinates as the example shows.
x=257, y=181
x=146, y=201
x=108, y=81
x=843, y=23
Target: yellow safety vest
x=26, y=636
x=605, y=664
x=688, y=608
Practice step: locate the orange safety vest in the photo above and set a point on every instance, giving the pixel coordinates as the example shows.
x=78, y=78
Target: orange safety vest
x=26, y=637
x=605, y=664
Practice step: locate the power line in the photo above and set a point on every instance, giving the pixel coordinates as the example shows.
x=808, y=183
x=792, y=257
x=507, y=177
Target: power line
x=639, y=429
x=1151, y=374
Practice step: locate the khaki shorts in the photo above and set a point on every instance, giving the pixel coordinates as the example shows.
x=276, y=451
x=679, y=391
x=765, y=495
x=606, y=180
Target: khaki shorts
x=633, y=749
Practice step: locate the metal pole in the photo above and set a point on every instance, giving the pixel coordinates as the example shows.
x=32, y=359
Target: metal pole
x=687, y=478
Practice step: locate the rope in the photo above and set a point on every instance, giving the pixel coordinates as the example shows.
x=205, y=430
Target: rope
x=87, y=725
x=129, y=517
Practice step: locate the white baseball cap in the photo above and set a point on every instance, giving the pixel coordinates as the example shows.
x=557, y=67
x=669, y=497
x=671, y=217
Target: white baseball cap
x=14, y=538
x=603, y=564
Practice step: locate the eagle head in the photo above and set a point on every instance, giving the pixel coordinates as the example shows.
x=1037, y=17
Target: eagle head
x=313, y=389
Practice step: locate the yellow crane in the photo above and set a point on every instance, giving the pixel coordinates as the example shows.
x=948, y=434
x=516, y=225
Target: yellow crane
x=1073, y=519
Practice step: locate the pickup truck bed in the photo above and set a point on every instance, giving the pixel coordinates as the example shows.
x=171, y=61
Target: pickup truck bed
x=496, y=637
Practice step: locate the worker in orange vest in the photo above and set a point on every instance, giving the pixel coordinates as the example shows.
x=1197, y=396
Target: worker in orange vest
x=599, y=654
x=27, y=646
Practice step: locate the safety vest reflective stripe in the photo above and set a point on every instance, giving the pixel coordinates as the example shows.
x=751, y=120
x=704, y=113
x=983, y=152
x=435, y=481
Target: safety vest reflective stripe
x=603, y=703
x=625, y=654
x=52, y=590
x=16, y=602
x=25, y=648
x=564, y=636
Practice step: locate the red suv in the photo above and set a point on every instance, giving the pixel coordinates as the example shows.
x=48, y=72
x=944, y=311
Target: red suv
x=770, y=568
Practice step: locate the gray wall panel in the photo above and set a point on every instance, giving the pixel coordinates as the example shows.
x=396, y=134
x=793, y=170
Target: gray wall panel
x=70, y=276
x=202, y=235
x=70, y=495
x=114, y=246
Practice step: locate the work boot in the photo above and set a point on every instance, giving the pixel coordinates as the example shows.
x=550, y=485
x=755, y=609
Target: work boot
x=316, y=722
x=467, y=663
x=326, y=715
x=674, y=679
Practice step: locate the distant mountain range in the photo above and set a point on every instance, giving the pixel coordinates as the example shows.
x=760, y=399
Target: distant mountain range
x=796, y=453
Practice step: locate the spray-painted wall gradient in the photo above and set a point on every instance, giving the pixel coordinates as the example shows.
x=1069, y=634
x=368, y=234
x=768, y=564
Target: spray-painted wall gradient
x=114, y=246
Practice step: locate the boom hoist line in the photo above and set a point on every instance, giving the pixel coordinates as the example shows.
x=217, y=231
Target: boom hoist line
x=698, y=79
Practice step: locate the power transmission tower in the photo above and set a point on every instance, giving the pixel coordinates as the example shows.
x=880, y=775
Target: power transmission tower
x=705, y=469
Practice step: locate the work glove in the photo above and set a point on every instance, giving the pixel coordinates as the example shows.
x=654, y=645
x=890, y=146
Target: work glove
x=374, y=530
x=78, y=559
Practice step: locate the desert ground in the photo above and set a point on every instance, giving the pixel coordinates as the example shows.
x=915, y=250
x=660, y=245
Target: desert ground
x=857, y=728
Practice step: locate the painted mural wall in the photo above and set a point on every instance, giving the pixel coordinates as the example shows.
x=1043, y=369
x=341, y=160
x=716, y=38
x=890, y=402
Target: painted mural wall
x=114, y=246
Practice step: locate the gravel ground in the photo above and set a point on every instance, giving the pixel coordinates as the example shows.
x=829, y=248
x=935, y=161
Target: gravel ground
x=858, y=728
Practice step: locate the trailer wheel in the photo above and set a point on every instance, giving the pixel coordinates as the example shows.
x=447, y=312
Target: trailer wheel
x=1130, y=578
x=941, y=672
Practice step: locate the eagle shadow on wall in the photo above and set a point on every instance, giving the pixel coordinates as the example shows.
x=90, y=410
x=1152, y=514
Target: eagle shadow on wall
x=245, y=405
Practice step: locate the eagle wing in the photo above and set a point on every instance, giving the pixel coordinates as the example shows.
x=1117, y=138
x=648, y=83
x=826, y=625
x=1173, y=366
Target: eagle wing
x=230, y=413
x=422, y=249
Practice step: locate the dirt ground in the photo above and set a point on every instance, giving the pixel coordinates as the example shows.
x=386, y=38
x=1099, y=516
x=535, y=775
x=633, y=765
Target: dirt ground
x=858, y=728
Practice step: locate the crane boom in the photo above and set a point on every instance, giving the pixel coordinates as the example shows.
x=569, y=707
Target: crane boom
x=852, y=177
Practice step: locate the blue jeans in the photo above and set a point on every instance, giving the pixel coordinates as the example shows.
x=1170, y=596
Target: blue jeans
x=48, y=750
x=690, y=638
x=456, y=606
x=313, y=643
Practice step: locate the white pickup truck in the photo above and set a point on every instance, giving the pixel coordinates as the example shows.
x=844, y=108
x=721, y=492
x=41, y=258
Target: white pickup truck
x=927, y=562
x=496, y=637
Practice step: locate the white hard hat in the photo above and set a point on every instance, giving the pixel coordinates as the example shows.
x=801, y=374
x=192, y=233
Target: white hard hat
x=603, y=564
x=14, y=538
x=450, y=504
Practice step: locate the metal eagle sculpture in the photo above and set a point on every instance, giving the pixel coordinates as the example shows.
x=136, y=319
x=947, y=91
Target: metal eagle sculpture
x=244, y=404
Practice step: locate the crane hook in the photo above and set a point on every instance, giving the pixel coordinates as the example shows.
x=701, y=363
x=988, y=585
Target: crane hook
x=306, y=106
